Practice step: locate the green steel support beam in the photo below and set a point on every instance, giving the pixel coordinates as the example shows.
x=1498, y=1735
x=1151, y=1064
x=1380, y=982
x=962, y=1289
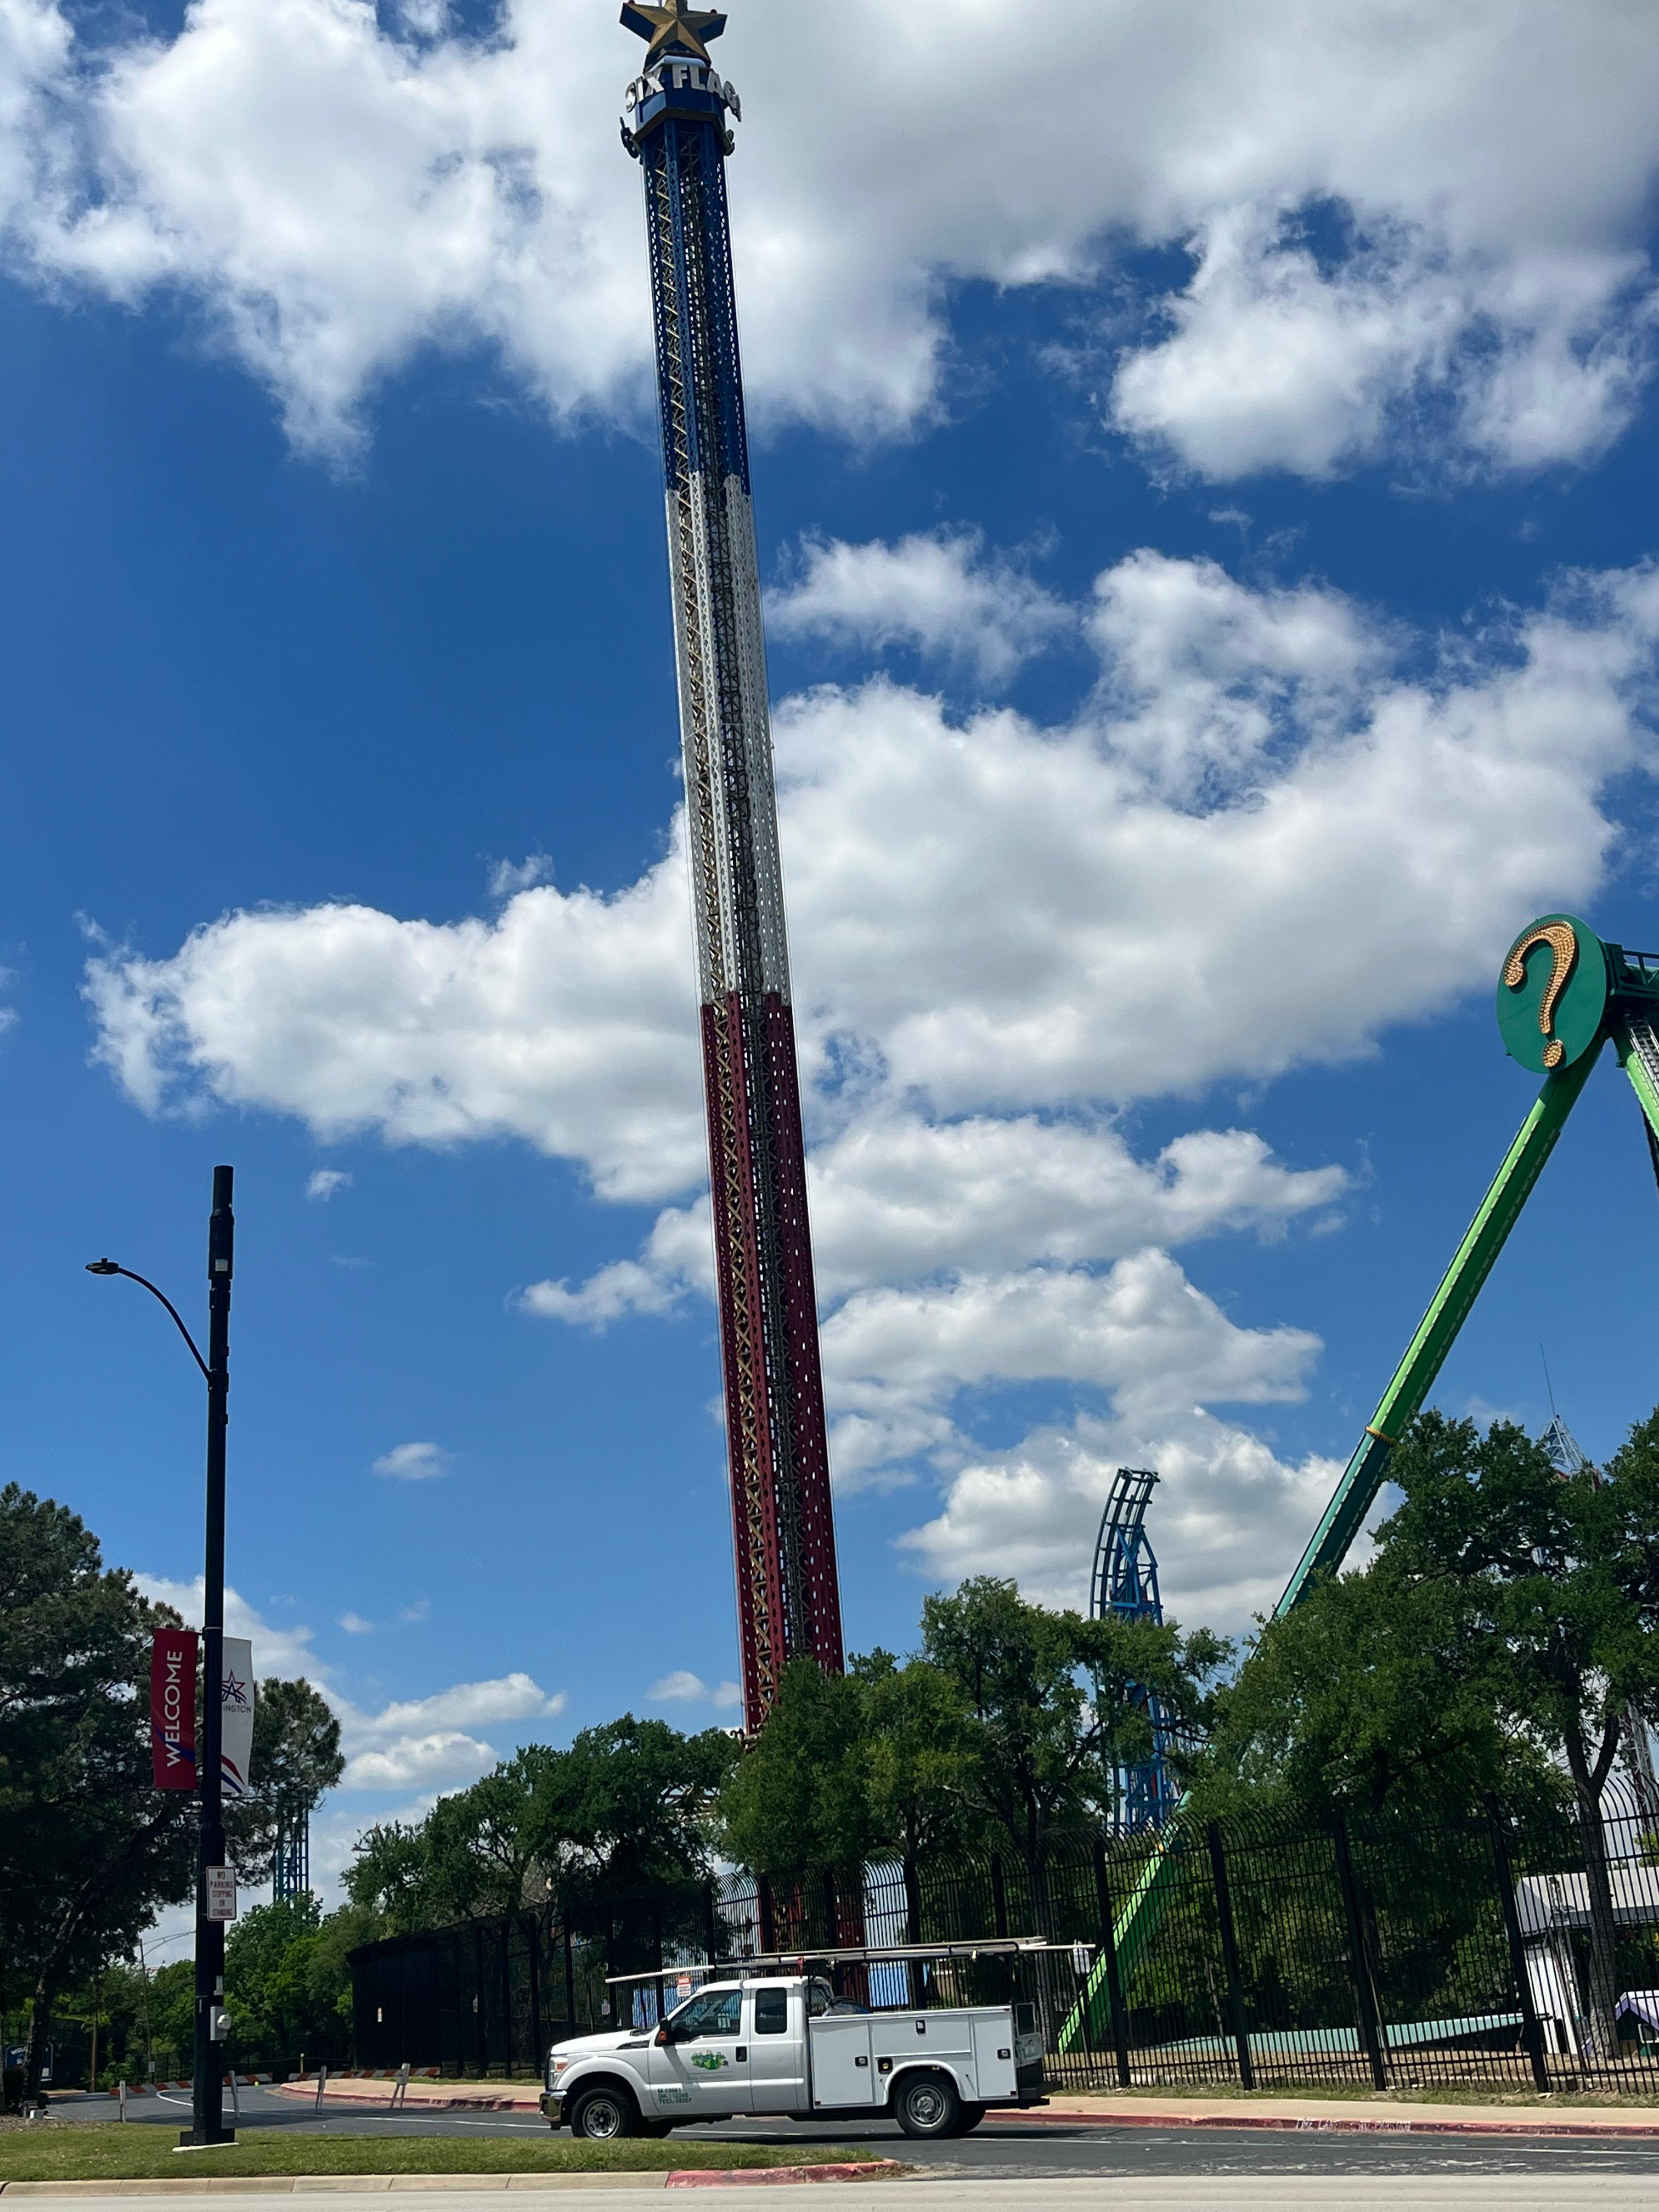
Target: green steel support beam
x=1400, y=1403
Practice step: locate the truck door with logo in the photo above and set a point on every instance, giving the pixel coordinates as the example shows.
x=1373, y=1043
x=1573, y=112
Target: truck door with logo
x=704, y=2064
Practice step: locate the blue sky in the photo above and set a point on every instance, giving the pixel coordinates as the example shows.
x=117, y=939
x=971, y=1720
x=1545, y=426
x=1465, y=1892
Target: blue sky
x=1206, y=505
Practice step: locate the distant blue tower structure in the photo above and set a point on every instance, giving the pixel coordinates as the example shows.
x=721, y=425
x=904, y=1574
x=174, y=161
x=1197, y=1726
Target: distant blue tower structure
x=1125, y=1587
x=290, y=1865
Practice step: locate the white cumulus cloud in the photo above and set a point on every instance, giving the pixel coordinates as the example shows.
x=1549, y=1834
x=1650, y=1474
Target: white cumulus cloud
x=937, y=592
x=325, y=1181
x=1274, y=826
x=420, y=1762
x=1418, y=226
x=414, y=1462
x=683, y=1687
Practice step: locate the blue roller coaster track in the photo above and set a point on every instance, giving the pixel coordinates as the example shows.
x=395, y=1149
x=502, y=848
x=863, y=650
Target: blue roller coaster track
x=1124, y=1586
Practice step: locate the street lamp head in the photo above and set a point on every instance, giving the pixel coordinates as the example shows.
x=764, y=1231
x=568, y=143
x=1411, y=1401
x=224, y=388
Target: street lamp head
x=103, y=1267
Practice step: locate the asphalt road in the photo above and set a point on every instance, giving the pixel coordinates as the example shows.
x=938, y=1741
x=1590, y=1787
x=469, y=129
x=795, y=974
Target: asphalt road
x=1017, y=2149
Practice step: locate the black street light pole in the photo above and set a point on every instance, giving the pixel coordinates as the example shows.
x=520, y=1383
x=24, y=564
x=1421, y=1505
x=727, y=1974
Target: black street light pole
x=207, y=2090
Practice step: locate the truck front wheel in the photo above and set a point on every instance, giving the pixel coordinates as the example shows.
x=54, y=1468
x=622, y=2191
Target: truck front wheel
x=602, y=2113
x=926, y=2105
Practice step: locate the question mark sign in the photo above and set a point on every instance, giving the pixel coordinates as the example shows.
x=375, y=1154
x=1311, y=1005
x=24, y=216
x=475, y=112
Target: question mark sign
x=1562, y=942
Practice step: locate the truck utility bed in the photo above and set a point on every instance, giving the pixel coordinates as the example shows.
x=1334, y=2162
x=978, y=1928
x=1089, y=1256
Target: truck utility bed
x=854, y=2054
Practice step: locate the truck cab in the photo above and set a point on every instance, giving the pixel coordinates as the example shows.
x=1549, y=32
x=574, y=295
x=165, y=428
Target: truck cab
x=784, y=2045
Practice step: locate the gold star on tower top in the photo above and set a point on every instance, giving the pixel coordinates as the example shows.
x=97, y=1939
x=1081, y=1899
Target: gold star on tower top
x=675, y=29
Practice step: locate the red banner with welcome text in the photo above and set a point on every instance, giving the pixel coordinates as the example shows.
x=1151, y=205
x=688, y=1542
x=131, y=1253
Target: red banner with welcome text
x=172, y=1708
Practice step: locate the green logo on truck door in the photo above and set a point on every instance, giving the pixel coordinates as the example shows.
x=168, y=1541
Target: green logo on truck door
x=710, y=2061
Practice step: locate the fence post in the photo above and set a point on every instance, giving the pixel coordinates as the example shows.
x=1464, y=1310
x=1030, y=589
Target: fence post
x=764, y=1913
x=1532, y=2031
x=999, y=1895
x=569, y=1977
x=322, y=2085
x=710, y=1939
x=1224, y=1905
x=1108, y=1952
x=1371, y=2034
x=538, y=2047
x=912, y=1901
x=506, y=1991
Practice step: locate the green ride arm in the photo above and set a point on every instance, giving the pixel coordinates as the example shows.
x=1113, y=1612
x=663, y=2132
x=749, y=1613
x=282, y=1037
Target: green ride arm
x=1400, y=1403
x=1437, y=1331
x=1637, y=1044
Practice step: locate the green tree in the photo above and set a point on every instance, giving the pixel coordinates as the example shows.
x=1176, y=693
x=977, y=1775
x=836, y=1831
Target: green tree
x=803, y=1796
x=1053, y=1709
x=393, y=1879
x=1375, y=1694
x=1561, y=1579
x=88, y=1848
x=631, y=1804
x=282, y=1980
x=1503, y=1631
x=847, y=1768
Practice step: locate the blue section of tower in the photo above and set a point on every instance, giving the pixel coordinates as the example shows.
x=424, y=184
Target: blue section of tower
x=678, y=129
x=1125, y=1588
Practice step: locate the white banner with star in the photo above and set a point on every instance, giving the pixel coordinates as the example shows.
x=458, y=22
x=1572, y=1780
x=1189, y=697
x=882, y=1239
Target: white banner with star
x=236, y=1716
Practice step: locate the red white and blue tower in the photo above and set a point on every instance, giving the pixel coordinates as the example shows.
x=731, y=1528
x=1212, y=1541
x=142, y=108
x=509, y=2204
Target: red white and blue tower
x=676, y=125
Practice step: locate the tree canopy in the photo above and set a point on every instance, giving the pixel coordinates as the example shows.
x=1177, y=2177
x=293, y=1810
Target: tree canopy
x=1497, y=1642
x=88, y=1848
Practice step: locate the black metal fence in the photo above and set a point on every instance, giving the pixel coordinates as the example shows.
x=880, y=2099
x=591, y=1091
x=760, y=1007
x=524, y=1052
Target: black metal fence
x=1263, y=1952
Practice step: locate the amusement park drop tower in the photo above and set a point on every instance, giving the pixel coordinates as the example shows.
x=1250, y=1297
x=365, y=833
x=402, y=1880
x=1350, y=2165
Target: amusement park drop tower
x=788, y=1602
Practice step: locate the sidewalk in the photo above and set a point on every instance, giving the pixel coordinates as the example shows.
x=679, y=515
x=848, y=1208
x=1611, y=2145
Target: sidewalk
x=1129, y=2108
x=440, y=2096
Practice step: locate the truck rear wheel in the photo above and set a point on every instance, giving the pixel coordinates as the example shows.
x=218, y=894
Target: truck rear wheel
x=603, y=2113
x=926, y=2105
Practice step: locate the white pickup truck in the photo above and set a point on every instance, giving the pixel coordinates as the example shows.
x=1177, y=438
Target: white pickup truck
x=783, y=2044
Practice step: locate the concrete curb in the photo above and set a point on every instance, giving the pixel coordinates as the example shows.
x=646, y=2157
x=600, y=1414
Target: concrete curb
x=307, y=2094
x=700, y=2177
x=1344, y=2125
x=298, y=2184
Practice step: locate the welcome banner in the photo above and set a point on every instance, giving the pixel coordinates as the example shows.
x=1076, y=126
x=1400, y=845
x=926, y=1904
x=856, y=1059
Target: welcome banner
x=236, y=1716
x=172, y=1708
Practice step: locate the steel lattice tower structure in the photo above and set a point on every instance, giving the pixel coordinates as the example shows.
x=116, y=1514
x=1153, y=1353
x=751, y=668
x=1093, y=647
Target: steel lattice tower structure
x=675, y=123
x=1124, y=1585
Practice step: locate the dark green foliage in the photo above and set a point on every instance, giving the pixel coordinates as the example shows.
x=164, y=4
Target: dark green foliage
x=627, y=1807
x=1049, y=1698
x=1497, y=1641
x=287, y=1983
x=803, y=1796
x=88, y=1849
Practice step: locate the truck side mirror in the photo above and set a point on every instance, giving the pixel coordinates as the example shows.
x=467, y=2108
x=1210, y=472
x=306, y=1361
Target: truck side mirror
x=663, y=2036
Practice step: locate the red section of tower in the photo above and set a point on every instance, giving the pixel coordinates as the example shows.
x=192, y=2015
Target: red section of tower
x=788, y=1600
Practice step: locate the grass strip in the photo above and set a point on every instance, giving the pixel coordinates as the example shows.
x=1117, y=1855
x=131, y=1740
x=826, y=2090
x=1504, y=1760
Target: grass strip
x=51, y=2151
